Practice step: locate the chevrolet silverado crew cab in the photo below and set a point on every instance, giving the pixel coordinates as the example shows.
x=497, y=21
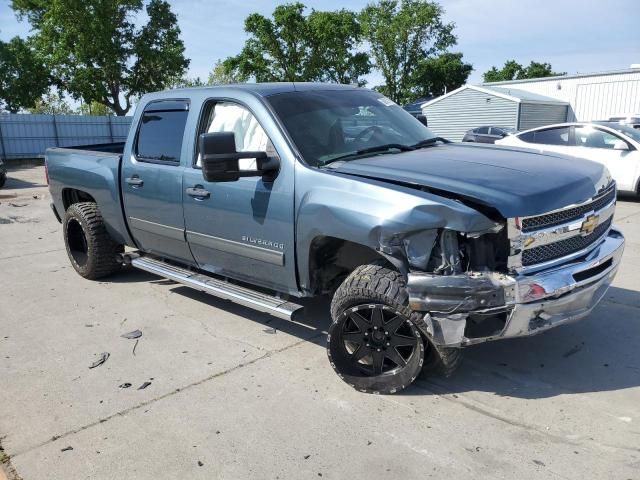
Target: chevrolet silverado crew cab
x=266, y=193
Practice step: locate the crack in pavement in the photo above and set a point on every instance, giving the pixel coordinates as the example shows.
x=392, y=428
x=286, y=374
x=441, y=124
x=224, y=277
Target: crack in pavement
x=31, y=254
x=140, y=405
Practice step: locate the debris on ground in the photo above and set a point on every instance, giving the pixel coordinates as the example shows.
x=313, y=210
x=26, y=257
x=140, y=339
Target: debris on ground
x=125, y=385
x=103, y=358
x=132, y=335
x=66, y=449
x=136, y=334
x=270, y=330
x=144, y=385
x=12, y=204
x=200, y=463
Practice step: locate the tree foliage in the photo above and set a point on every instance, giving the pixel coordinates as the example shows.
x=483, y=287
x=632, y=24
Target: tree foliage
x=401, y=34
x=293, y=47
x=95, y=109
x=512, y=70
x=51, y=103
x=23, y=77
x=438, y=75
x=97, y=53
x=221, y=75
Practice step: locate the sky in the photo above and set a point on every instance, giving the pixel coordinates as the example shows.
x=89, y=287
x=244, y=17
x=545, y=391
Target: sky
x=573, y=35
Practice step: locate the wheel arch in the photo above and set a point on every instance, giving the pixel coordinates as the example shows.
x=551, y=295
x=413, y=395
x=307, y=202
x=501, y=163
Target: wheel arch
x=331, y=259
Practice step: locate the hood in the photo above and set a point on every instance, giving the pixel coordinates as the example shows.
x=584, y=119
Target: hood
x=516, y=182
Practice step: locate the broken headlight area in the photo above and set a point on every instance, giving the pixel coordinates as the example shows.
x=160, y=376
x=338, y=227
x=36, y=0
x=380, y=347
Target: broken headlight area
x=461, y=283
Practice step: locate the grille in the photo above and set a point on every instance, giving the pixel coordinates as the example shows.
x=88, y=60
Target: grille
x=564, y=216
x=552, y=251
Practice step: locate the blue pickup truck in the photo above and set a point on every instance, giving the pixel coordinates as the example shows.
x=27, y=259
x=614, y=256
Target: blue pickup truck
x=265, y=193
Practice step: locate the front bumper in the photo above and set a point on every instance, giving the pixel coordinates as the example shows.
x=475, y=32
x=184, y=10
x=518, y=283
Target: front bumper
x=518, y=305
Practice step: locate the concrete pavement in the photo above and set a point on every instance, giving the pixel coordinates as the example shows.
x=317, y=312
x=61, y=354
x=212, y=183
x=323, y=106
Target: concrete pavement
x=237, y=394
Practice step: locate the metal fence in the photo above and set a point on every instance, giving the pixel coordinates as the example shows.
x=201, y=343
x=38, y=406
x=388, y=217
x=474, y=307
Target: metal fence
x=28, y=136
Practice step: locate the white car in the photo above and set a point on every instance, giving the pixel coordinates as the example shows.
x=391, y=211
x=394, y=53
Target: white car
x=614, y=145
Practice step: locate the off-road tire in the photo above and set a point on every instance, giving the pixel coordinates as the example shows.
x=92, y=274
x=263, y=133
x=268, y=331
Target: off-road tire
x=84, y=221
x=378, y=283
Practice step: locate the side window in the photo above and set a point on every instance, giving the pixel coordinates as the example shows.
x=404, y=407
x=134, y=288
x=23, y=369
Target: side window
x=551, y=136
x=496, y=131
x=482, y=130
x=160, y=135
x=593, y=138
x=248, y=133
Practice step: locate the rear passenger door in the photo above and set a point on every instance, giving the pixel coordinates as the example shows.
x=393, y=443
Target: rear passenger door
x=152, y=180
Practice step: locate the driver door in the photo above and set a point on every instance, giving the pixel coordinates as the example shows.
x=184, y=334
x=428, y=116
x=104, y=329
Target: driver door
x=242, y=229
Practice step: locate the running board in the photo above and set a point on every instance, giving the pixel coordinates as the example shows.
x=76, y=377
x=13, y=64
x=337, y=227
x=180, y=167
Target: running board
x=262, y=302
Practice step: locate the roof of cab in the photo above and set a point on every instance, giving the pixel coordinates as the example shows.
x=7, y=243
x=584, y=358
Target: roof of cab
x=267, y=89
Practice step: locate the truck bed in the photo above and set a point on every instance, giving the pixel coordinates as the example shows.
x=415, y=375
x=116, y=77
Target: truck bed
x=89, y=173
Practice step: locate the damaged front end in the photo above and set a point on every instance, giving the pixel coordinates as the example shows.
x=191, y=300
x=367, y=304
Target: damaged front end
x=474, y=287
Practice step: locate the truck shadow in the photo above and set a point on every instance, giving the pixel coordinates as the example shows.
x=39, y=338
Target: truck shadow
x=599, y=353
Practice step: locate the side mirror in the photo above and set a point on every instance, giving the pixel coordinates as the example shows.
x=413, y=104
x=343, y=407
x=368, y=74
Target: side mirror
x=422, y=119
x=222, y=163
x=621, y=145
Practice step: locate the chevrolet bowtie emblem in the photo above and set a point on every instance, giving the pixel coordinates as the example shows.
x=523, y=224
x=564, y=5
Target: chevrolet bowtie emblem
x=589, y=224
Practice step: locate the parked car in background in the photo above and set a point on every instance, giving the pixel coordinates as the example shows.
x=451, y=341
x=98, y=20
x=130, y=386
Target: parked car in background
x=488, y=134
x=615, y=145
x=633, y=120
x=3, y=174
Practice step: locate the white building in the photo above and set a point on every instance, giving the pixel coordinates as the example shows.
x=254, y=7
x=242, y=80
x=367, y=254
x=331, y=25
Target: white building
x=524, y=104
x=591, y=96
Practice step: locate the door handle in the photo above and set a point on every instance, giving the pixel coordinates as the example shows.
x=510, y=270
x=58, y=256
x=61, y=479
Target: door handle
x=134, y=181
x=198, y=192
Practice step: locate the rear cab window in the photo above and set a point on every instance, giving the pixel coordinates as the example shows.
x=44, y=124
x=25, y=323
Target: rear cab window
x=161, y=131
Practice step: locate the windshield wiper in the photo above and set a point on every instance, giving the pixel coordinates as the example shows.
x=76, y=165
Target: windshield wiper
x=430, y=141
x=376, y=149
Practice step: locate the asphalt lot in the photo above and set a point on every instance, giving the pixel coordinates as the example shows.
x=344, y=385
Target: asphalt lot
x=231, y=399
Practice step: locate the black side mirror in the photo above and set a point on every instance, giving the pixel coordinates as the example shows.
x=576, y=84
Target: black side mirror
x=422, y=119
x=221, y=161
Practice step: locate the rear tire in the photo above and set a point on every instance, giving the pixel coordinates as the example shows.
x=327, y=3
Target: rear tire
x=3, y=178
x=92, y=252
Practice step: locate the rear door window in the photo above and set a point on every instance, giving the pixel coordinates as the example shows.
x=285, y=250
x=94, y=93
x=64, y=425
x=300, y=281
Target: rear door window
x=482, y=130
x=549, y=136
x=160, y=135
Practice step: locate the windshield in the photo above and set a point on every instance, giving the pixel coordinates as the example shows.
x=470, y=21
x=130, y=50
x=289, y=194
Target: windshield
x=327, y=124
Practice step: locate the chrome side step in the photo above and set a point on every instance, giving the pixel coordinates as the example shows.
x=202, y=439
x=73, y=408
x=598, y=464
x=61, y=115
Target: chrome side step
x=262, y=302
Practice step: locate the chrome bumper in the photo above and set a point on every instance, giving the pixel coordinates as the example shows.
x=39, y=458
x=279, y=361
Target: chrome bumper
x=527, y=304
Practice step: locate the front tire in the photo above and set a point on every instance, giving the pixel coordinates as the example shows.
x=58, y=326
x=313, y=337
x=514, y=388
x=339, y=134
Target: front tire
x=92, y=252
x=374, y=343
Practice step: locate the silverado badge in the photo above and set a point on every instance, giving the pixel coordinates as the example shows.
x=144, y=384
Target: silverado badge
x=589, y=225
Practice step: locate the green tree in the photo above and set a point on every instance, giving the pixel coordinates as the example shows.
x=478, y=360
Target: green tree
x=94, y=108
x=402, y=33
x=438, y=75
x=186, y=82
x=23, y=77
x=336, y=38
x=221, y=75
x=512, y=70
x=293, y=47
x=51, y=104
x=96, y=52
x=276, y=50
